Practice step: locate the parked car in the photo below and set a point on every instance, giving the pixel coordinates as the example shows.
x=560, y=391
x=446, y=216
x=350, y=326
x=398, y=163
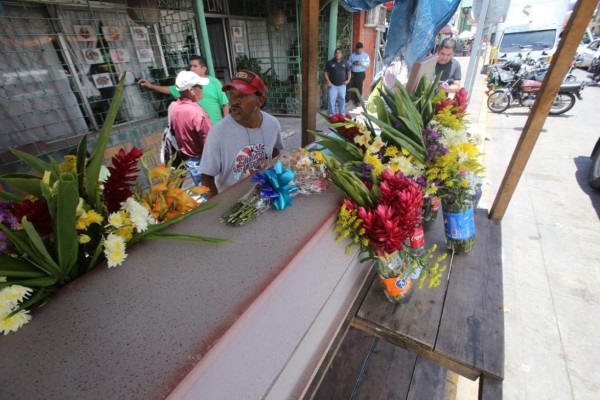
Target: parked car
x=585, y=54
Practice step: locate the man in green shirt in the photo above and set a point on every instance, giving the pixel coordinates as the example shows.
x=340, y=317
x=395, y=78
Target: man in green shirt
x=214, y=100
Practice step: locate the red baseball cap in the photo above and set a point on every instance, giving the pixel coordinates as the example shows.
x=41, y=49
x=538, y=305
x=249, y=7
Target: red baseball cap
x=246, y=82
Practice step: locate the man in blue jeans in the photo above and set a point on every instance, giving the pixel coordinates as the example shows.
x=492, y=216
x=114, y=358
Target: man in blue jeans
x=359, y=62
x=337, y=76
x=189, y=122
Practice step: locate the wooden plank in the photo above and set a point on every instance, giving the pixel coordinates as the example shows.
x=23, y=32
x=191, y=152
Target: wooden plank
x=310, y=87
x=340, y=379
x=417, y=321
x=490, y=388
x=388, y=374
x=413, y=347
x=429, y=381
x=561, y=61
x=493, y=291
x=471, y=328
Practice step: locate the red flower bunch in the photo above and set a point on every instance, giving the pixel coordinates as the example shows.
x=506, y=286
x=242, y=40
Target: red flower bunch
x=442, y=105
x=398, y=211
x=461, y=101
x=123, y=175
x=348, y=132
x=37, y=213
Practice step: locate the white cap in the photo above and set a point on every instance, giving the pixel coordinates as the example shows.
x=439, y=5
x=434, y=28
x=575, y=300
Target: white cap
x=187, y=79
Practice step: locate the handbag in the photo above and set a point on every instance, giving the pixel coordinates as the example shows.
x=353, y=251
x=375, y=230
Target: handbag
x=169, y=148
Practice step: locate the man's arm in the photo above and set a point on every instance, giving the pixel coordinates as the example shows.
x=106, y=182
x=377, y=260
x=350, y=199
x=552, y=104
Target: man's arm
x=160, y=89
x=326, y=76
x=209, y=182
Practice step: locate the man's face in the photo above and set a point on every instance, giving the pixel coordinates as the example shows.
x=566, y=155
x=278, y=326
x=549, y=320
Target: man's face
x=196, y=92
x=359, y=50
x=197, y=68
x=445, y=55
x=338, y=55
x=243, y=106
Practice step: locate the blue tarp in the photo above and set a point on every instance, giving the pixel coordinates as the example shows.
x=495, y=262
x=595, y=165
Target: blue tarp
x=413, y=25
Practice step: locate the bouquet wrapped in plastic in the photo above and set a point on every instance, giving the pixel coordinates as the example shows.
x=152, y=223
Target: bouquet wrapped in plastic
x=296, y=172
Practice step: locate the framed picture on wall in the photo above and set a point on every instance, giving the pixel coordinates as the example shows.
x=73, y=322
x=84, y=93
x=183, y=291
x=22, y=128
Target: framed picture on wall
x=239, y=48
x=84, y=33
x=237, y=31
x=145, y=55
x=139, y=33
x=92, y=56
x=102, y=80
x=119, y=55
x=112, y=33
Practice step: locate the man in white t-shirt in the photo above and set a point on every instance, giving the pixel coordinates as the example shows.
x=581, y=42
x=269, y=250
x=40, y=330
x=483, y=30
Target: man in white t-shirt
x=245, y=140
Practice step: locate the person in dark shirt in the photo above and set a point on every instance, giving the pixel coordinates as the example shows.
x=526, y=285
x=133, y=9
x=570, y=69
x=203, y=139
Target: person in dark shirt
x=448, y=66
x=337, y=76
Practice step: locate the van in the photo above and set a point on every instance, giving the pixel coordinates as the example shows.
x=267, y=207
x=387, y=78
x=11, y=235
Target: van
x=525, y=40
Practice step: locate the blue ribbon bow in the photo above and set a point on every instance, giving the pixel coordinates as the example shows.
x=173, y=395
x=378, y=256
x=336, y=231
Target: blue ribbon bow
x=275, y=185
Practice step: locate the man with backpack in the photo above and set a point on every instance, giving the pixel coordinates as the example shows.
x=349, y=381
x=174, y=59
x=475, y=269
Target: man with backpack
x=189, y=123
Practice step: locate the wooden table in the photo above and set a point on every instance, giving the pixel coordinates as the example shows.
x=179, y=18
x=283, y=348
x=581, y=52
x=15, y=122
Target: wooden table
x=458, y=325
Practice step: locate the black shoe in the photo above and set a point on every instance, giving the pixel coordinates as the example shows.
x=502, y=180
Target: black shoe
x=356, y=104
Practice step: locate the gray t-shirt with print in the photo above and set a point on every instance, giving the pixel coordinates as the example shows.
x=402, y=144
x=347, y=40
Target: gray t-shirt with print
x=233, y=151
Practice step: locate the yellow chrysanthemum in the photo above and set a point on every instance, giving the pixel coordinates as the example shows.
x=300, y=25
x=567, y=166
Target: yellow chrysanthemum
x=390, y=151
x=373, y=160
x=126, y=232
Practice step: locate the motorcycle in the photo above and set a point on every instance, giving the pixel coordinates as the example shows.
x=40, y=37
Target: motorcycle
x=502, y=75
x=524, y=91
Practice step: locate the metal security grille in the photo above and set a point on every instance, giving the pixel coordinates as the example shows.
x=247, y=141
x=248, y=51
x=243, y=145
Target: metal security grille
x=59, y=66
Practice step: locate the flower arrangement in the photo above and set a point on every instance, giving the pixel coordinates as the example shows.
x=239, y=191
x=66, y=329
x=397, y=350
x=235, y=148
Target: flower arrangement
x=67, y=222
x=296, y=172
x=453, y=169
x=378, y=216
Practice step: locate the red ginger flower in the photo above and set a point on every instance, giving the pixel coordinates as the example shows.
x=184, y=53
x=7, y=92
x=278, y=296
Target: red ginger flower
x=461, y=101
x=443, y=104
x=37, y=213
x=123, y=175
x=383, y=228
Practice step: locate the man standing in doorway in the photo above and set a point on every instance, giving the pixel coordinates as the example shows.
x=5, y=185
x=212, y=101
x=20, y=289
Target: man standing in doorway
x=189, y=122
x=448, y=66
x=359, y=62
x=337, y=76
x=214, y=102
x=245, y=140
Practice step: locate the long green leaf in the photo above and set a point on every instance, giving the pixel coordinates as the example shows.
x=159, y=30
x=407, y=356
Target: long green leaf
x=390, y=133
x=39, y=250
x=159, y=227
x=12, y=267
x=25, y=182
x=37, y=297
x=81, y=156
x=32, y=283
x=193, y=238
x=34, y=162
x=65, y=234
x=24, y=247
x=342, y=149
x=10, y=196
x=97, y=156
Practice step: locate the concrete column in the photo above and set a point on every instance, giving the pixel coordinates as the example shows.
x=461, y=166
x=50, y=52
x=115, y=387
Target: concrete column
x=333, y=11
x=204, y=33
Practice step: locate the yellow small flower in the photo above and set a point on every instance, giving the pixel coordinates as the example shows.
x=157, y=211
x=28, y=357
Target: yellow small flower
x=390, y=151
x=83, y=239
